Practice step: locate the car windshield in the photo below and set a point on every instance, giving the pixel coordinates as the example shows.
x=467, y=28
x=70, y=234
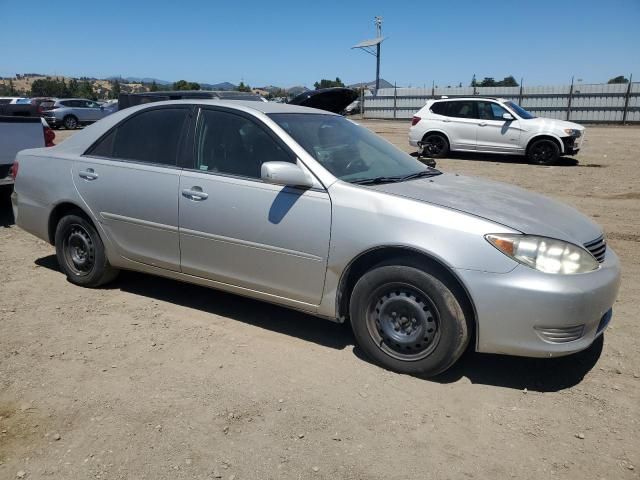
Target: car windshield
x=350, y=152
x=522, y=113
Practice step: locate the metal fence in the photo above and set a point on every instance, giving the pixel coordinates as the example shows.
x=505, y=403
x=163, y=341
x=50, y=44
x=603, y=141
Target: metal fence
x=582, y=103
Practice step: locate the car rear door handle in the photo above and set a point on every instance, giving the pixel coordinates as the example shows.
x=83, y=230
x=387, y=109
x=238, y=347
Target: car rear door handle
x=88, y=174
x=195, y=193
x=482, y=124
x=446, y=120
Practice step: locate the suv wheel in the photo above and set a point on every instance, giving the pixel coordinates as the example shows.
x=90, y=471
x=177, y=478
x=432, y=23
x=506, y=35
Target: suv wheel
x=434, y=145
x=543, y=152
x=70, y=122
x=81, y=253
x=407, y=320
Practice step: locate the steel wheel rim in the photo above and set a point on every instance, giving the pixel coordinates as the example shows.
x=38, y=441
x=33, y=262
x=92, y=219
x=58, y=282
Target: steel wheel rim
x=434, y=145
x=79, y=250
x=542, y=152
x=403, y=321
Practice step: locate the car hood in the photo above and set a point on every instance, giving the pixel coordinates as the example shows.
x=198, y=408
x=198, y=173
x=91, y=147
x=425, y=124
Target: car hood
x=333, y=100
x=502, y=203
x=549, y=123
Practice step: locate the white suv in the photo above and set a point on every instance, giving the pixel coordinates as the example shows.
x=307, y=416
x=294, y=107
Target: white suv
x=491, y=125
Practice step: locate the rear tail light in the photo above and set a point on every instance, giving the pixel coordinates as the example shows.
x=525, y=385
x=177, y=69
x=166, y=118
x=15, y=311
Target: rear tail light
x=415, y=120
x=49, y=137
x=14, y=170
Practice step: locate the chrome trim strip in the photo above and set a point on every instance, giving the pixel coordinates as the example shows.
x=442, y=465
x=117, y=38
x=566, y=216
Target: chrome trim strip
x=246, y=243
x=137, y=221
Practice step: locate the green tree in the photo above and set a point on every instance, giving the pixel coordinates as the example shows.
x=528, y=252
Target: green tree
x=508, y=82
x=153, y=87
x=85, y=90
x=619, y=79
x=184, y=85
x=115, y=89
x=474, y=82
x=324, y=83
x=50, y=88
x=487, y=82
x=243, y=88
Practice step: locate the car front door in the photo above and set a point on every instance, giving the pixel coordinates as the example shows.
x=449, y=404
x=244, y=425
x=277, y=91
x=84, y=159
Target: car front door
x=129, y=180
x=461, y=124
x=240, y=231
x=93, y=111
x=495, y=134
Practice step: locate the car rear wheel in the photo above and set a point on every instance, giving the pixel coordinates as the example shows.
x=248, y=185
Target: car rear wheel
x=81, y=253
x=408, y=320
x=543, y=152
x=70, y=122
x=434, y=145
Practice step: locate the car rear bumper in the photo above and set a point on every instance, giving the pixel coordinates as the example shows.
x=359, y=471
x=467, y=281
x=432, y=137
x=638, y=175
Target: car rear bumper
x=529, y=313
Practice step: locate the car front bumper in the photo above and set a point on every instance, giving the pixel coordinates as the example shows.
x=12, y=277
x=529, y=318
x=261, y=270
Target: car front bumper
x=529, y=313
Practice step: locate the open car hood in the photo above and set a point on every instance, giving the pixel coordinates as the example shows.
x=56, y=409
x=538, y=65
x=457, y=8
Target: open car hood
x=333, y=100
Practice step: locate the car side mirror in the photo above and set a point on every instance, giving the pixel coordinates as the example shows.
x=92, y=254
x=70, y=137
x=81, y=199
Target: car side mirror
x=285, y=173
x=507, y=116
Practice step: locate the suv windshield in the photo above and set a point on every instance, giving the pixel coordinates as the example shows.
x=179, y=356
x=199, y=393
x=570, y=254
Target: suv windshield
x=350, y=152
x=522, y=113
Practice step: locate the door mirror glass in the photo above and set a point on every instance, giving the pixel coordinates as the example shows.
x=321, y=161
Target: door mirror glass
x=507, y=116
x=285, y=173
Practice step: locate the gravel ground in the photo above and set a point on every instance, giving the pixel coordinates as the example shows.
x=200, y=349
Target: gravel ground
x=151, y=378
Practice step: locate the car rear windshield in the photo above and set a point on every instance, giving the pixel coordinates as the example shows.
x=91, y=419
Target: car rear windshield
x=350, y=152
x=522, y=113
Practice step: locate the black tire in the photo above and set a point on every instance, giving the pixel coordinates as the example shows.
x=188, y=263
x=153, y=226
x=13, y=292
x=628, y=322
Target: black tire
x=70, y=122
x=434, y=145
x=81, y=253
x=408, y=320
x=543, y=152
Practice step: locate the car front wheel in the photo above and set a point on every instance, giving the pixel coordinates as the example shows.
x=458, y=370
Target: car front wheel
x=408, y=320
x=543, y=152
x=81, y=253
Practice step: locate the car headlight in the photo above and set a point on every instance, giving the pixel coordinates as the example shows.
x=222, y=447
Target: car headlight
x=572, y=132
x=544, y=254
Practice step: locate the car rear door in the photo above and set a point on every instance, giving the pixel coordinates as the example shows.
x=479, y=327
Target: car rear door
x=240, y=231
x=461, y=124
x=129, y=179
x=495, y=134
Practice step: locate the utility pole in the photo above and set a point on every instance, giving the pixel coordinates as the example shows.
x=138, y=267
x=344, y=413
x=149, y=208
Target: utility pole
x=367, y=46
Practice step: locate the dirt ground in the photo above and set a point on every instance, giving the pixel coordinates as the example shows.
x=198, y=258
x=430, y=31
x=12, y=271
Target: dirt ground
x=153, y=379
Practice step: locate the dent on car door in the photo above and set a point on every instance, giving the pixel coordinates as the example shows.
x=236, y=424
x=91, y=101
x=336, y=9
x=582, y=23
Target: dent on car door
x=129, y=180
x=240, y=231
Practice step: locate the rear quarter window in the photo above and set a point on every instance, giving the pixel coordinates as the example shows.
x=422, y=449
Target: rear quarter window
x=439, y=108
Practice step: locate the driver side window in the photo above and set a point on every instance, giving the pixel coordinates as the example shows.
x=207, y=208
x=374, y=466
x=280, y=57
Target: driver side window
x=234, y=145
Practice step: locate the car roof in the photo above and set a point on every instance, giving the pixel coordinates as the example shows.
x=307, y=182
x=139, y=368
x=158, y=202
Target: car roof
x=263, y=107
x=475, y=97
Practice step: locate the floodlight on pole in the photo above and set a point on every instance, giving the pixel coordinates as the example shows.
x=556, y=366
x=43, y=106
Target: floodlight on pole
x=368, y=46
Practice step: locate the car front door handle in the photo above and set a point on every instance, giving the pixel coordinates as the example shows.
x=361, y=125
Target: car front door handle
x=446, y=121
x=88, y=174
x=482, y=124
x=195, y=193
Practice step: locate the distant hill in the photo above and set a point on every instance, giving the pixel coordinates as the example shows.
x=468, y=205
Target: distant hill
x=140, y=80
x=218, y=86
x=372, y=84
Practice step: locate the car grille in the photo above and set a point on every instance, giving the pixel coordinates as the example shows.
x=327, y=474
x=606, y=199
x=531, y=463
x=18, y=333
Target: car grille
x=560, y=335
x=597, y=248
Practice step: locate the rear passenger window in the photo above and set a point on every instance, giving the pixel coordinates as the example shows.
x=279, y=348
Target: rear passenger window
x=151, y=137
x=460, y=109
x=440, y=108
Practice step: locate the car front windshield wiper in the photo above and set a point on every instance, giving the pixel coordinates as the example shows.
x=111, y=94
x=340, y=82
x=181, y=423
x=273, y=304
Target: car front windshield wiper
x=378, y=180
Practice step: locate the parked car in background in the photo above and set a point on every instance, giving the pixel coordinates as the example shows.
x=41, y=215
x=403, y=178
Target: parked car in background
x=491, y=125
x=306, y=209
x=71, y=113
x=18, y=107
x=18, y=133
x=43, y=103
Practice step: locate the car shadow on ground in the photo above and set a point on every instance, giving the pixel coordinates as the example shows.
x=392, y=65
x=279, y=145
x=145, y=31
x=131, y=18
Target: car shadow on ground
x=6, y=212
x=489, y=157
x=543, y=375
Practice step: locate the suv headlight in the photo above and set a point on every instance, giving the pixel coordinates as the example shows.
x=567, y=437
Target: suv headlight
x=544, y=254
x=572, y=132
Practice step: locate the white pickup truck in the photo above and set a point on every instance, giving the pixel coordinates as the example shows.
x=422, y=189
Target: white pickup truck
x=18, y=133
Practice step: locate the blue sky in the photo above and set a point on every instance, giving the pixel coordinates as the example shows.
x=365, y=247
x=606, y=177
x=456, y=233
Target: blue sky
x=290, y=43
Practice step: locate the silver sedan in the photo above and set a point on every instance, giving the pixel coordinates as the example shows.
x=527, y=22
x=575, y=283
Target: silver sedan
x=308, y=210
